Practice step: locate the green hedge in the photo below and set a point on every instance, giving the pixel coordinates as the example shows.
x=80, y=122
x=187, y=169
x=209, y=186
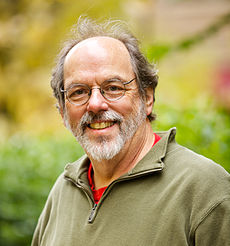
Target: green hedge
x=28, y=168
x=30, y=165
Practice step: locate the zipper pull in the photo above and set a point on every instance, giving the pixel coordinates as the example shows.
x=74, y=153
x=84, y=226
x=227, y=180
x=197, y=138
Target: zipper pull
x=92, y=214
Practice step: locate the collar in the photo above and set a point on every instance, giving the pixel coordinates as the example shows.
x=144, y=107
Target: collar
x=152, y=161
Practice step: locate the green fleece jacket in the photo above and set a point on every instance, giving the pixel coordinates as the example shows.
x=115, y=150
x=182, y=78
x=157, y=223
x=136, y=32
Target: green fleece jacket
x=173, y=196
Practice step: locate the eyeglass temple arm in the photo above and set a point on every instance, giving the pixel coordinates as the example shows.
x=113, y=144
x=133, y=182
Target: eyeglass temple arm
x=126, y=83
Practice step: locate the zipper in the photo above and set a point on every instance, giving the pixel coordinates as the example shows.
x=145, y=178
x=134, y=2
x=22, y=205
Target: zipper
x=92, y=214
x=93, y=210
x=95, y=206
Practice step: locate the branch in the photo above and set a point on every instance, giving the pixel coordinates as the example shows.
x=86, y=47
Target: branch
x=157, y=52
x=201, y=36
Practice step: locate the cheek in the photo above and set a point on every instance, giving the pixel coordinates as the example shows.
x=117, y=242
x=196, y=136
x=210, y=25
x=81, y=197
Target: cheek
x=74, y=114
x=130, y=104
x=123, y=108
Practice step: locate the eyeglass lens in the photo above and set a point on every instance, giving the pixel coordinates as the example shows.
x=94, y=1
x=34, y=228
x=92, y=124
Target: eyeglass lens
x=111, y=90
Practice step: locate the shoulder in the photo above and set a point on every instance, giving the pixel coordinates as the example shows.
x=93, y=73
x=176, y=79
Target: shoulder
x=204, y=183
x=198, y=175
x=179, y=158
x=182, y=158
x=207, y=183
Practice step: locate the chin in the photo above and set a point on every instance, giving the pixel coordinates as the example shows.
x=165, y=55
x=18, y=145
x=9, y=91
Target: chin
x=103, y=148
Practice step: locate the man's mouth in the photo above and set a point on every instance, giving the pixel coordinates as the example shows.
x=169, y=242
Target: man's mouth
x=101, y=125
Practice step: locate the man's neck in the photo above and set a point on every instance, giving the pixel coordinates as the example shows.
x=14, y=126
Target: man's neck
x=106, y=171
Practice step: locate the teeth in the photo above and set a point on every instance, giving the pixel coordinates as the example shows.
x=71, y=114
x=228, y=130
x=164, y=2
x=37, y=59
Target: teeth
x=101, y=125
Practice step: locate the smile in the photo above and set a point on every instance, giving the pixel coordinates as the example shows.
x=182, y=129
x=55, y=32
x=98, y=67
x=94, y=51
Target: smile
x=101, y=125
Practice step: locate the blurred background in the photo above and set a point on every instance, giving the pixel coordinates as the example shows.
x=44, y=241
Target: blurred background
x=189, y=40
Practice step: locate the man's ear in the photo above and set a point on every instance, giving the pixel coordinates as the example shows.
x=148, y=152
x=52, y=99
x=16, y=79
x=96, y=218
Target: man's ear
x=149, y=101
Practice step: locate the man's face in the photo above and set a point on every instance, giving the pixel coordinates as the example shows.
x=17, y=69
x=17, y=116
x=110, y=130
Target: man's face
x=100, y=126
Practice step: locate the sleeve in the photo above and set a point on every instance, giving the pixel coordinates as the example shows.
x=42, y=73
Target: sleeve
x=35, y=240
x=214, y=228
x=42, y=224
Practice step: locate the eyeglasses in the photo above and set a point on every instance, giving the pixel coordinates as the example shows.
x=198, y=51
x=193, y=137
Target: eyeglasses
x=112, y=90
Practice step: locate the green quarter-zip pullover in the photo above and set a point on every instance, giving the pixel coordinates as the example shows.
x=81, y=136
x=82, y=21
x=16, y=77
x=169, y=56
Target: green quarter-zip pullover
x=173, y=196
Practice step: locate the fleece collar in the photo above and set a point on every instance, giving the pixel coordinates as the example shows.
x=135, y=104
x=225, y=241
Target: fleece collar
x=152, y=161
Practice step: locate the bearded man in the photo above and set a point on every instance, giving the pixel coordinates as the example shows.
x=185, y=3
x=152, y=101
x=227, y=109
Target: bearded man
x=133, y=186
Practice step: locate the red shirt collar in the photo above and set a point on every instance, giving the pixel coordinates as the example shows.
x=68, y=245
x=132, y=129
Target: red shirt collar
x=98, y=193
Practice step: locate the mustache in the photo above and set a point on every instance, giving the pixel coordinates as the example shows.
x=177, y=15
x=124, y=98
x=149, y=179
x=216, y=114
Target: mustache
x=90, y=117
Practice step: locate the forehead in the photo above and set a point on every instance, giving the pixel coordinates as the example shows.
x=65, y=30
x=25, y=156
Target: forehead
x=91, y=45
x=98, y=55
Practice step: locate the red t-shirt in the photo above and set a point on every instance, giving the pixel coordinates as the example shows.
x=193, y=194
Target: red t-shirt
x=98, y=193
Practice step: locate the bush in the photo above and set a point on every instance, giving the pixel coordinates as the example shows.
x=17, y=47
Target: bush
x=28, y=168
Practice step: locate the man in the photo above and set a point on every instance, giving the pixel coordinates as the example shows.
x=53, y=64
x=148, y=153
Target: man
x=133, y=186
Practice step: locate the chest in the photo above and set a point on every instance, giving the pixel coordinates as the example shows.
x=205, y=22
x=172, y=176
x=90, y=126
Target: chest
x=137, y=212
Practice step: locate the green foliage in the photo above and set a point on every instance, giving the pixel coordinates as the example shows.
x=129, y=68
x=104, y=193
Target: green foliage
x=28, y=169
x=157, y=51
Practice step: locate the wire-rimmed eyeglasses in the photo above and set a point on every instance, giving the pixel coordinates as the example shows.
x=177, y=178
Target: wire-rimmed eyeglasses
x=112, y=90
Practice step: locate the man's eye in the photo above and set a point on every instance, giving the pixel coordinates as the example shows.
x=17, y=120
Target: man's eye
x=78, y=92
x=113, y=88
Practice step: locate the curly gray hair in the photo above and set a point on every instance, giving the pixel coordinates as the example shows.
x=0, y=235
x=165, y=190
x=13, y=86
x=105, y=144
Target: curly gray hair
x=146, y=73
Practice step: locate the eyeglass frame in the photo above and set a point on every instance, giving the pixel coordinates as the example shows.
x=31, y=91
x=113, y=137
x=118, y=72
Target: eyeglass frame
x=90, y=92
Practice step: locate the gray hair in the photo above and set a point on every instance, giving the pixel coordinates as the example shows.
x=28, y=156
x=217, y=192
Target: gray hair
x=146, y=74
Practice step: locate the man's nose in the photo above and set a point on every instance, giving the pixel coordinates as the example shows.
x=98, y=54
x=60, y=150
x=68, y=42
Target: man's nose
x=96, y=101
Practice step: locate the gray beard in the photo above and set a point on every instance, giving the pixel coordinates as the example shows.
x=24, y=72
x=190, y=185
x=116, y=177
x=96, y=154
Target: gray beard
x=104, y=148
